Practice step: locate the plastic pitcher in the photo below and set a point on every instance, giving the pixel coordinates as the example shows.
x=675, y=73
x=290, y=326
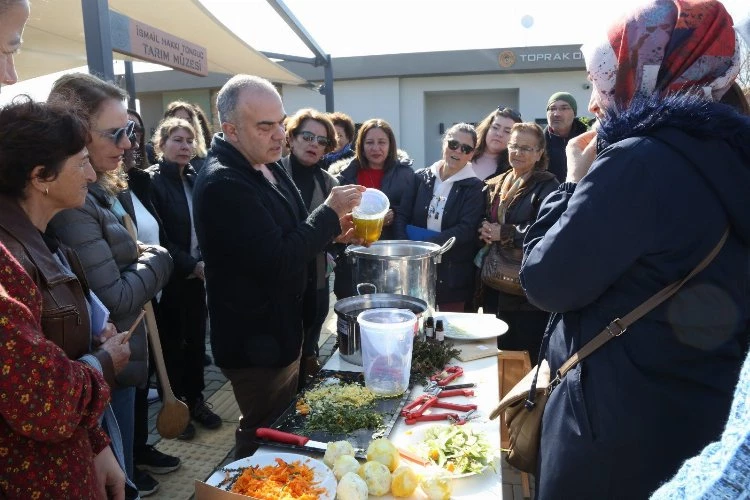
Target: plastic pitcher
x=387, y=336
x=369, y=214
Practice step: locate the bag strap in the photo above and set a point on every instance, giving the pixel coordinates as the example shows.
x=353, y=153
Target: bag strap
x=618, y=326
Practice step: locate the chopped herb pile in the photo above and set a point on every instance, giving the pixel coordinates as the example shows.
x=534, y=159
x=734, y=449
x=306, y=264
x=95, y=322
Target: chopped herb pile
x=339, y=408
x=428, y=358
x=343, y=418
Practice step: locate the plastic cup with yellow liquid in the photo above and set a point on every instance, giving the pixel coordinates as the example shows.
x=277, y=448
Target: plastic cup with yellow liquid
x=368, y=216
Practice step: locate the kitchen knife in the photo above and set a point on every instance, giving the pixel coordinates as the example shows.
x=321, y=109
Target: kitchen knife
x=278, y=436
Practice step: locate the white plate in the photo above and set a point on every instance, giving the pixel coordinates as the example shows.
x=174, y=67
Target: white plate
x=323, y=475
x=471, y=326
x=417, y=437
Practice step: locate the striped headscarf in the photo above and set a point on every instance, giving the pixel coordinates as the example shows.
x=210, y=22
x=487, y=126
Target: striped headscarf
x=664, y=47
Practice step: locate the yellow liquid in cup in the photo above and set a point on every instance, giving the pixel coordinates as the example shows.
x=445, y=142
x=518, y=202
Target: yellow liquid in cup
x=368, y=229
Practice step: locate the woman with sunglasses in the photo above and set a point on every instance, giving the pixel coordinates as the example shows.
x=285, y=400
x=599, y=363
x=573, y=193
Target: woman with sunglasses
x=310, y=135
x=379, y=164
x=490, y=157
x=446, y=202
x=513, y=201
x=122, y=274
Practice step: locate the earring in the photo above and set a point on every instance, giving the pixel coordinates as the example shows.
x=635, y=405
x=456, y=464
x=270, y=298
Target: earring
x=46, y=191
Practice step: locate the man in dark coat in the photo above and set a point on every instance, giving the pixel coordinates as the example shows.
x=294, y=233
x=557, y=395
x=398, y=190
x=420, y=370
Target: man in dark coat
x=257, y=239
x=562, y=126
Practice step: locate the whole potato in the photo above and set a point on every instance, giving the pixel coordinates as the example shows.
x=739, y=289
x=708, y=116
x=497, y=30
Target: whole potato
x=351, y=487
x=383, y=451
x=336, y=449
x=344, y=464
x=377, y=477
x=404, y=481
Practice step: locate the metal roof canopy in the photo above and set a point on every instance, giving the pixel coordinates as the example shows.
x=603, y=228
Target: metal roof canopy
x=54, y=38
x=320, y=59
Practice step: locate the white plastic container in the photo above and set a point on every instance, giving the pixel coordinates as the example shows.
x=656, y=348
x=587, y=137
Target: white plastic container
x=387, y=340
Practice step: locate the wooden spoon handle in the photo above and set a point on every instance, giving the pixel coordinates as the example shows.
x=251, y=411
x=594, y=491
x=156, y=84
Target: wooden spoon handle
x=153, y=337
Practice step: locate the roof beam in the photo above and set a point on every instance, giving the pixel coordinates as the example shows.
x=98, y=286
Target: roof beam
x=97, y=38
x=284, y=57
x=321, y=58
x=296, y=26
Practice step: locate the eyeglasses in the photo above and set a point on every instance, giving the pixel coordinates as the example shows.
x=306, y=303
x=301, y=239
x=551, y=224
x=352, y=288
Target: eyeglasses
x=514, y=115
x=454, y=145
x=117, y=135
x=515, y=148
x=308, y=136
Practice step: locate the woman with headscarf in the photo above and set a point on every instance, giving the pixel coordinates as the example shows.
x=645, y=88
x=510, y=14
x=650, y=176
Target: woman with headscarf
x=648, y=195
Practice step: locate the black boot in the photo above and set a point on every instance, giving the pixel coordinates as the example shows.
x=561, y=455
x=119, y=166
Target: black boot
x=244, y=443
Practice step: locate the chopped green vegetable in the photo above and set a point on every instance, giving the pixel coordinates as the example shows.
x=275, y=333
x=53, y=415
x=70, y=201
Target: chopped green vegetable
x=456, y=448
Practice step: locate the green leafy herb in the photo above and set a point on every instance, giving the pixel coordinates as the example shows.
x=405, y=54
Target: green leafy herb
x=343, y=418
x=429, y=358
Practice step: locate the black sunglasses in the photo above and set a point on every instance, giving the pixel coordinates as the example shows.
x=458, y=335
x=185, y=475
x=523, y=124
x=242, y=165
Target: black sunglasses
x=308, y=136
x=117, y=135
x=514, y=115
x=453, y=145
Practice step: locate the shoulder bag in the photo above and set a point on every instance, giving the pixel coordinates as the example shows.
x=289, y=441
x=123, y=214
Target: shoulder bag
x=501, y=269
x=524, y=404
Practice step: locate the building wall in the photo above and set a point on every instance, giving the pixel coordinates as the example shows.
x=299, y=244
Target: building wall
x=415, y=106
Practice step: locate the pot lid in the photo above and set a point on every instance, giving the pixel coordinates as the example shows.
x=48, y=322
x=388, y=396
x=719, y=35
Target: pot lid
x=396, y=250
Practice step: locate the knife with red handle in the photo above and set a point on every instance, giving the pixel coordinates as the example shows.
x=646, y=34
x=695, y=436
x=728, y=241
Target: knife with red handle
x=278, y=436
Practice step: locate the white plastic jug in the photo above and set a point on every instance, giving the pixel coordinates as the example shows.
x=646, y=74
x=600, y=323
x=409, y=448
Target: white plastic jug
x=387, y=339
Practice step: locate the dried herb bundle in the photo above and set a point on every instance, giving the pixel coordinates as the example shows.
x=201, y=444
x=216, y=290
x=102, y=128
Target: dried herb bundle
x=428, y=358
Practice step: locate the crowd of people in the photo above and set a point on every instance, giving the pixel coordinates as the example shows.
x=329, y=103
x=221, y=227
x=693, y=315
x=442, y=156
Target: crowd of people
x=241, y=230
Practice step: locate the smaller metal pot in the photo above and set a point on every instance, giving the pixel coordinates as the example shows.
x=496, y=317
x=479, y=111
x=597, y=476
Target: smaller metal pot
x=347, y=328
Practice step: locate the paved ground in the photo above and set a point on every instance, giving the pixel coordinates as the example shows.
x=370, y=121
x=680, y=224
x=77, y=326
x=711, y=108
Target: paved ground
x=212, y=449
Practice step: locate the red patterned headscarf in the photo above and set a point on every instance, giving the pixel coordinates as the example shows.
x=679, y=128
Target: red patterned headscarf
x=664, y=47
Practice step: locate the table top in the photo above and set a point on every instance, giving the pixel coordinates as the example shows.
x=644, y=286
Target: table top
x=483, y=372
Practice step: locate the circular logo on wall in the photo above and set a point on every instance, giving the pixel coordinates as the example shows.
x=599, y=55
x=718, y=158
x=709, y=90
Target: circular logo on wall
x=506, y=59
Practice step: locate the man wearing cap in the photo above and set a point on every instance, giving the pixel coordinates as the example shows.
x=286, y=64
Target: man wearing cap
x=562, y=125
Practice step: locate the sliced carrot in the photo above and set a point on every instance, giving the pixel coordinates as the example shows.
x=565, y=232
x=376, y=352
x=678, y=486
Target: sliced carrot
x=281, y=481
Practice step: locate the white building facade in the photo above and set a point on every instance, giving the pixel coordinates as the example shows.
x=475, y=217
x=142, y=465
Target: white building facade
x=422, y=94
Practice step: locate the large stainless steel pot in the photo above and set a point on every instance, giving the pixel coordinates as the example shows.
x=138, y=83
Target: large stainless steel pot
x=398, y=266
x=347, y=328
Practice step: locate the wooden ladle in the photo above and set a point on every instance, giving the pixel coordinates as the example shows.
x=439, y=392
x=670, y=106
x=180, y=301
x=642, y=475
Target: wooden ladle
x=174, y=416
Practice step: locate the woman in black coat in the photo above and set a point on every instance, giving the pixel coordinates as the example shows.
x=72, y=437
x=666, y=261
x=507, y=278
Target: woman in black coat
x=446, y=202
x=513, y=201
x=377, y=164
x=182, y=308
